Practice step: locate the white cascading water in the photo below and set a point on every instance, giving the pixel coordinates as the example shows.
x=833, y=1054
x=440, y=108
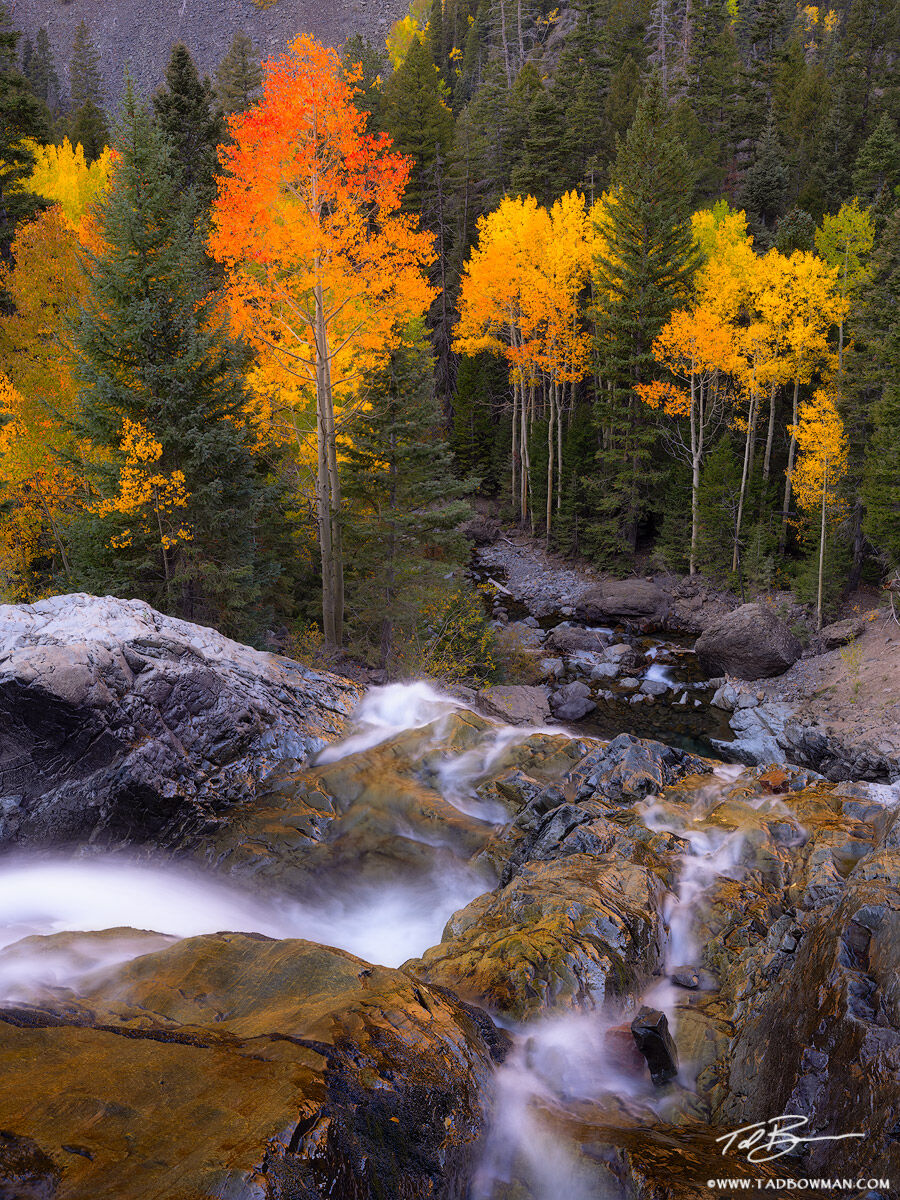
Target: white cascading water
x=385, y=924
x=561, y=1060
x=387, y=711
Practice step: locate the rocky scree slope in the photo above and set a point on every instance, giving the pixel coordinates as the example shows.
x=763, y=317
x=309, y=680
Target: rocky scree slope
x=139, y=35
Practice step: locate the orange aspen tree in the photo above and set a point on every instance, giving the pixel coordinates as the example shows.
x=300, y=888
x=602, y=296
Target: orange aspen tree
x=697, y=349
x=321, y=265
x=821, y=465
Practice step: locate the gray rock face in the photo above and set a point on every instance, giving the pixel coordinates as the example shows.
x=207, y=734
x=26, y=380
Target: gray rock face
x=140, y=35
x=637, y=600
x=750, y=643
x=118, y=723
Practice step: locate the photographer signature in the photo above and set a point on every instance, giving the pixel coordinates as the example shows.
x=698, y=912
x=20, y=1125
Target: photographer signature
x=764, y=1141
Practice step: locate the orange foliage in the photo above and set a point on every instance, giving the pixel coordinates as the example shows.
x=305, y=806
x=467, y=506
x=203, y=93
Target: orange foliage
x=309, y=210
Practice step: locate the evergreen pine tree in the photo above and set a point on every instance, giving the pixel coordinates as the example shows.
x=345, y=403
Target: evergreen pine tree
x=543, y=170
x=152, y=352
x=765, y=187
x=39, y=69
x=373, y=65
x=86, y=123
x=881, y=480
x=23, y=120
x=643, y=272
x=238, y=76
x=876, y=173
x=87, y=127
x=405, y=506
x=416, y=115
x=186, y=115
x=85, y=79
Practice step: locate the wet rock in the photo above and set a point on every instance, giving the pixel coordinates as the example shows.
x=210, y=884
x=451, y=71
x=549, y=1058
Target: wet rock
x=566, y=639
x=572, y=702
x=686, y=977
x=517, y=703
x=629, y=768
x=561, y=934
x=119, y=724
x=235, y=1065
x=650, y=1029
x=654, y=687
x=751, y=643
x=636, y=600
x=623, y=655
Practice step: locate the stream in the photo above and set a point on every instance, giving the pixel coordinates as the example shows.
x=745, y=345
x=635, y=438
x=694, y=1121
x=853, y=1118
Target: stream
x=559, y=1063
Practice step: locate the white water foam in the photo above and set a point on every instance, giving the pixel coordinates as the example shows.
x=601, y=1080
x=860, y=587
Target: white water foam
x=385, y=712
x=385, y=925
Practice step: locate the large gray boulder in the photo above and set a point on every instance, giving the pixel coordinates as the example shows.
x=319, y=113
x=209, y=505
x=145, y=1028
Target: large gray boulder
x=517, y=703
x=635, y=600
x=119, y=724
x=750, y=643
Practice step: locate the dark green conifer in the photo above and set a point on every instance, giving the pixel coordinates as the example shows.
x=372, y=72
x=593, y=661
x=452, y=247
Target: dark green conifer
x=644, y=271
x=187, y=117
x=416, y=115
x=85, y=79
x=405, y=506
x=881, y=480
x=238, y=76
x=23, y=121
x=152, y=351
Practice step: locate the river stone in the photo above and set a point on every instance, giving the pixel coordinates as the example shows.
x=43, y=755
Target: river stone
x=120, y=724
x=629, y=768
x=234, y=1065
x=517, y=703
x=636, y=600
x=567, y=639
x=750, y=643
x=572, y=701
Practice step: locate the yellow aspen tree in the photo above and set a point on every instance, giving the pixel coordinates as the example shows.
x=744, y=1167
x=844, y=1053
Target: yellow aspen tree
x=145, y=493
x=696, y=348
x=820, y=466
x=797, y=298
x=498, y=314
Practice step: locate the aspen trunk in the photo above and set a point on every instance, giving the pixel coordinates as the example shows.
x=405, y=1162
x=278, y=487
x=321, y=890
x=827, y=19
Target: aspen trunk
x=745, y=475
x=696, y=455
x=822, y=550
x=328, y=491
x=792, y=450
x=770, y=437
x=551, y=458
